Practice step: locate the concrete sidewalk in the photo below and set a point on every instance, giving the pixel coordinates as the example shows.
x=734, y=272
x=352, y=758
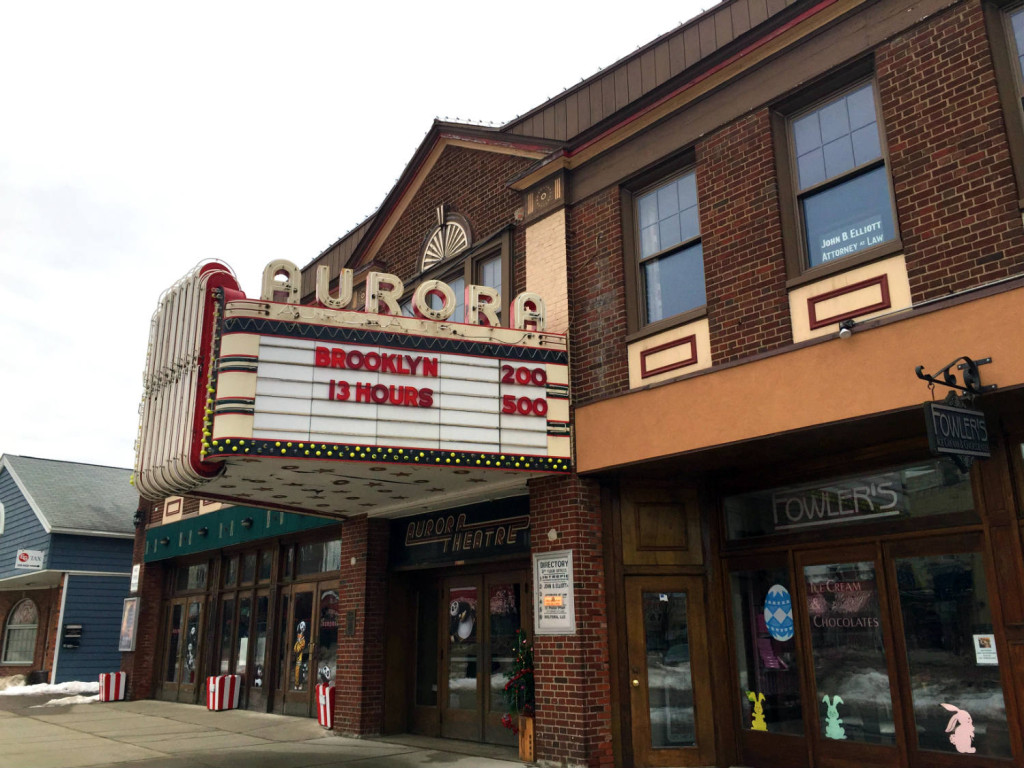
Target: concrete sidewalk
x=157, y=734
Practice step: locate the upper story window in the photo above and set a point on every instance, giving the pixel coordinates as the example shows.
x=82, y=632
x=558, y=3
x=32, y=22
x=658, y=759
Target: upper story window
x=20, y=634
x=837, y=203
x=844, y=197
x=671, y=258
x=1005, y=24
x=662, y=243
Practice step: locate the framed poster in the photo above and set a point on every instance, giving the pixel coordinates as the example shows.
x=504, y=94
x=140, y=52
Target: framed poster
x=555, y=604
x=129, y=621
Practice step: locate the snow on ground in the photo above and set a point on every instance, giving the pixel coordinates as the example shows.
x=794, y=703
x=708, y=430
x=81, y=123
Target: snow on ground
x=47, y=689
x=68, y=700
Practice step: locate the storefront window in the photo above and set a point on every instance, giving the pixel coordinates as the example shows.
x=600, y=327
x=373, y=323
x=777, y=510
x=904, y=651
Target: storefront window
x=227, y=624
x=327, y=637
x=462, y=648
x=299, y=638
x=927, y=488
x=244, y=618
x=669, y=679
x=249, y=568
x=173, y=644
x=766, y=653
x=951, y=653
x=230, y=571
x=191, y=577
x=319, y=557
x=266, y=560
x=504, y=606
x=192, y=641
x=259, y=654
x=850, y=671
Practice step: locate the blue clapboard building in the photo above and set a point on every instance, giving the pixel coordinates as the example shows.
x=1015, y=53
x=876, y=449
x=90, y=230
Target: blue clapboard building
x=66, y=537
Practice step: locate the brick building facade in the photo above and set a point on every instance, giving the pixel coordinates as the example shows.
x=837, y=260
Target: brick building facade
x=760, y=233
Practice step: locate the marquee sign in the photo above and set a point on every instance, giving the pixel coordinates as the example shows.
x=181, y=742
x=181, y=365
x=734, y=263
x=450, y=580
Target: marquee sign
x=340, y=411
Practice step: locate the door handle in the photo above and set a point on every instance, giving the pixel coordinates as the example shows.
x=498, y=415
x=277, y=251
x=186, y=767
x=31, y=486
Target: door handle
x=636, y=683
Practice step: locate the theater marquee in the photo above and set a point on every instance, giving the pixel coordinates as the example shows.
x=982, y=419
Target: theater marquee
x=338, y=411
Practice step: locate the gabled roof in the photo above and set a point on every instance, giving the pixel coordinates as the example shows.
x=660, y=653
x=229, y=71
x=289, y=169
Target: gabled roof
x=83, y=499
x=359, y=247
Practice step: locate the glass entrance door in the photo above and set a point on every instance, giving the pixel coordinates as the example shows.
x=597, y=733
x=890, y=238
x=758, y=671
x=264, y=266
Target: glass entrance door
x=183, y=627
x=294, y=668
x=670, y=688
x=308, y=653
x=479, y=617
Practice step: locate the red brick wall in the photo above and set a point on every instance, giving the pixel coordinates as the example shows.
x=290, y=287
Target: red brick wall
x=955, y=191
x=470, y=182
x=597, y=304
x=359, y=706
x=47, y=603
x=955, y=194
x=142, y=664
x=572, y=675
x=745, y=271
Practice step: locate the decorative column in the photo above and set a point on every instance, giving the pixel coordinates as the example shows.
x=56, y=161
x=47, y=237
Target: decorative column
x=572, y=675
x=359, y=703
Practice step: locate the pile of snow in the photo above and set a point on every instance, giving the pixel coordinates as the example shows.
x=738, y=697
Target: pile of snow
x=68, y=700
x=7, y=682
x=47, y=689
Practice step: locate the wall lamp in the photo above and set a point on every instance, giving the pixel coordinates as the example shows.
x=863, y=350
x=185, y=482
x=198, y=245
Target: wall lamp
x=165, y=541
x=247, y=523
x=846, y=328
x=203, y=531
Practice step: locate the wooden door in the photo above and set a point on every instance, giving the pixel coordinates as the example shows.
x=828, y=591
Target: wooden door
x=295, y=676
x=481, y=614
x=461, y=681
x=670, y=687
x=191, y=681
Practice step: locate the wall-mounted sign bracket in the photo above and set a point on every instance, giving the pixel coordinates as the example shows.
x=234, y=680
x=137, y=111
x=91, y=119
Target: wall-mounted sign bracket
x=972, y=385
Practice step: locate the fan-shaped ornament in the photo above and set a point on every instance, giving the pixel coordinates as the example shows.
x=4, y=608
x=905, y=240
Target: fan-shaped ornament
x=449, y=239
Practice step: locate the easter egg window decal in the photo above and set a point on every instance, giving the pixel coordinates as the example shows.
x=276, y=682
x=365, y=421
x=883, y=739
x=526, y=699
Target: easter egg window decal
x=778, y=613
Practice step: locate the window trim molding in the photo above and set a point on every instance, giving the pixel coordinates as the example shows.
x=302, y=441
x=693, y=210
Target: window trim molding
x=817, y=94
x=7, y=633
x=630, y=191
x=1009, y=82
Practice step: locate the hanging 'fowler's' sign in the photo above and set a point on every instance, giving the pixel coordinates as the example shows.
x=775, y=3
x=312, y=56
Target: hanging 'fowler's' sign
x=342, y=411
x=956, y=431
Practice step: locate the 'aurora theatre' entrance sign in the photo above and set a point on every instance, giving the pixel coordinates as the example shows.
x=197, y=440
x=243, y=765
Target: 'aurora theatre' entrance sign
x=324, y=409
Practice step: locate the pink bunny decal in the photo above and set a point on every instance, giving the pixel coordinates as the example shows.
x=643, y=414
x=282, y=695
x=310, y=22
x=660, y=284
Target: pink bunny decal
x=960, y=729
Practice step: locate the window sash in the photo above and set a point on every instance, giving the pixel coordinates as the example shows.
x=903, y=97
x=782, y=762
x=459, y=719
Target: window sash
x=840, y=178
x=20, y=644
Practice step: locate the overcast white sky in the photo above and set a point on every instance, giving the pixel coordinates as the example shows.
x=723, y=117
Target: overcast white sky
x=140, y=138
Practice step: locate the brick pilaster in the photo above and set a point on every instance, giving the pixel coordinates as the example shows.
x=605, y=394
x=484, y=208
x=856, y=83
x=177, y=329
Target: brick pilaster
x=573, y=681
x=359, y=707
x=142, y=663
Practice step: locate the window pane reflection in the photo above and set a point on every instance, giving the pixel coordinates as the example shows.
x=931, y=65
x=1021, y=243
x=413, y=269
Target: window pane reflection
x=766, y=653
x=463, y=653
x=669, y=682
x=954, y=672
x=504, y=606
x=849, y=655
